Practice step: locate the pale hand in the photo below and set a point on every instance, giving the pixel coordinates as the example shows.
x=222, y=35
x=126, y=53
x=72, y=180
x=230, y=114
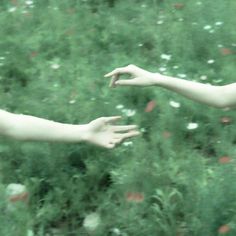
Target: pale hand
x=102, y=132
x=138, y=76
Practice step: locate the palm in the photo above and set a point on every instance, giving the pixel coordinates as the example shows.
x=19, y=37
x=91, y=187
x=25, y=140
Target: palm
x=102, y=133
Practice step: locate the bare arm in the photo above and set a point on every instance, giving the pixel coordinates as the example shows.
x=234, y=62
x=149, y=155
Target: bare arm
x=216, y=96
x=100, y=132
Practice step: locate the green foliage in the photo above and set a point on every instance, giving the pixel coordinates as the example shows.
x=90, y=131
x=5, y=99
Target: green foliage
x=52, y=60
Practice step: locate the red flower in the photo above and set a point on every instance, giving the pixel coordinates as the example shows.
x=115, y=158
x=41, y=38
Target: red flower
x=224, y=160
x=150, y=106
x=226, y=51
x=134, y=197
x=33, y=54
x=225, y=120
x=23, y=197
x=223, y=229
x=178, y=5
x=166, y=134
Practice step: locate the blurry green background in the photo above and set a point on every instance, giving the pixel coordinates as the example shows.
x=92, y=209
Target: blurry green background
x=171, y=181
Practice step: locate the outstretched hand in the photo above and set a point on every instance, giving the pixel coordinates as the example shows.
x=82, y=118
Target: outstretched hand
x=138, y=76
x=102, y=132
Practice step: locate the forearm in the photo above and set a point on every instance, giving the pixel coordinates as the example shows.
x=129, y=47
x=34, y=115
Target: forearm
x=203, y=93
x=24, y=127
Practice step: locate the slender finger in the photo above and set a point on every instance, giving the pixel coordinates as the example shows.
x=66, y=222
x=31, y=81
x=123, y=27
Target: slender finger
x=126, y=82
x=121, y=70
x=130, y=134
x=112, y=119
x=119, y=128
x=114, y=78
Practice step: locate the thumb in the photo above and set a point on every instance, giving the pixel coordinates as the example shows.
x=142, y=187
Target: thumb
x=126, y=82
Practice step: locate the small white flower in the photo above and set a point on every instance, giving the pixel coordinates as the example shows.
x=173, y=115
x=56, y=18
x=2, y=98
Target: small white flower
x=93, y=99
x=72, y=101
x=1, y=64
x=128, y=143
x=162, y=69
x=56, y=85
x=2, y=58
x=55, y=66
x=116, y=231
x=217, y=81
x=199, y=3
x=144, y=5
x=29, y=2
x=140, y=44
x=218, y=23
x=166, y=57
x=207, y=27
x=129, y=112
x=233, y=44
x=181, y=19
x=211, y=61
x=120, y=106
x=15, y=189
x=91, y=221
x=160, y=22
x=191, y=126
x=143, y=130
x=212, y=31
x=182, y=75
x=30, y=232
x=12, y=9
x=194, y=23
x=203, y=77
x=174, y=104
x=175, y=67
x=220, y=46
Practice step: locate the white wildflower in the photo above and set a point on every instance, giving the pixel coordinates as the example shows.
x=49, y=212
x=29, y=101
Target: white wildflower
x=55, y=66
x=174, y=104
x=12, y=9
x=128, y=143
x=203, y=77
x=166, y=57
x=15, y=189
x=207, y=27
x=143, y=130
x=93, y=99
x=1, y=64
x=2, y=58
x=220, y=46
x=199, y=3
x=91, y=221
x=212, y=31
x=192, y=126
x=29, y=2
x=144, y=5
x=181, y=19
x=116, y=231
x=162, y=69
x=233, y=44
x=30, y=232
x=182, y=75
x=129, y=112
x=160, y=22
x=120, y=106
x=140, y=44
x=175, y=67
x=211, y=61
x=72, y=101
x=218, y=23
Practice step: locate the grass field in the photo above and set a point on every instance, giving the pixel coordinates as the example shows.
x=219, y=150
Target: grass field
x=176, y=179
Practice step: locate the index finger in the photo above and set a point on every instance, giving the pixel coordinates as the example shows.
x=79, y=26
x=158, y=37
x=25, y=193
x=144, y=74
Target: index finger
x=118, y=71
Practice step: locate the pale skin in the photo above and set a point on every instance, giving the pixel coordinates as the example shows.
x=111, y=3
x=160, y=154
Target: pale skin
x=100, y=132
x=215, y=96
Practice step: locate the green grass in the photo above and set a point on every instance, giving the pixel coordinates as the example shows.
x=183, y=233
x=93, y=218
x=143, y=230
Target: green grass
x=186, y=190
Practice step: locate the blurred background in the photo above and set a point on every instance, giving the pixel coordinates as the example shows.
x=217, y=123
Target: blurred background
x=178, y=177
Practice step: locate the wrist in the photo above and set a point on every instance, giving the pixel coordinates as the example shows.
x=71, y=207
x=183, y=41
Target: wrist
x=158, y=79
